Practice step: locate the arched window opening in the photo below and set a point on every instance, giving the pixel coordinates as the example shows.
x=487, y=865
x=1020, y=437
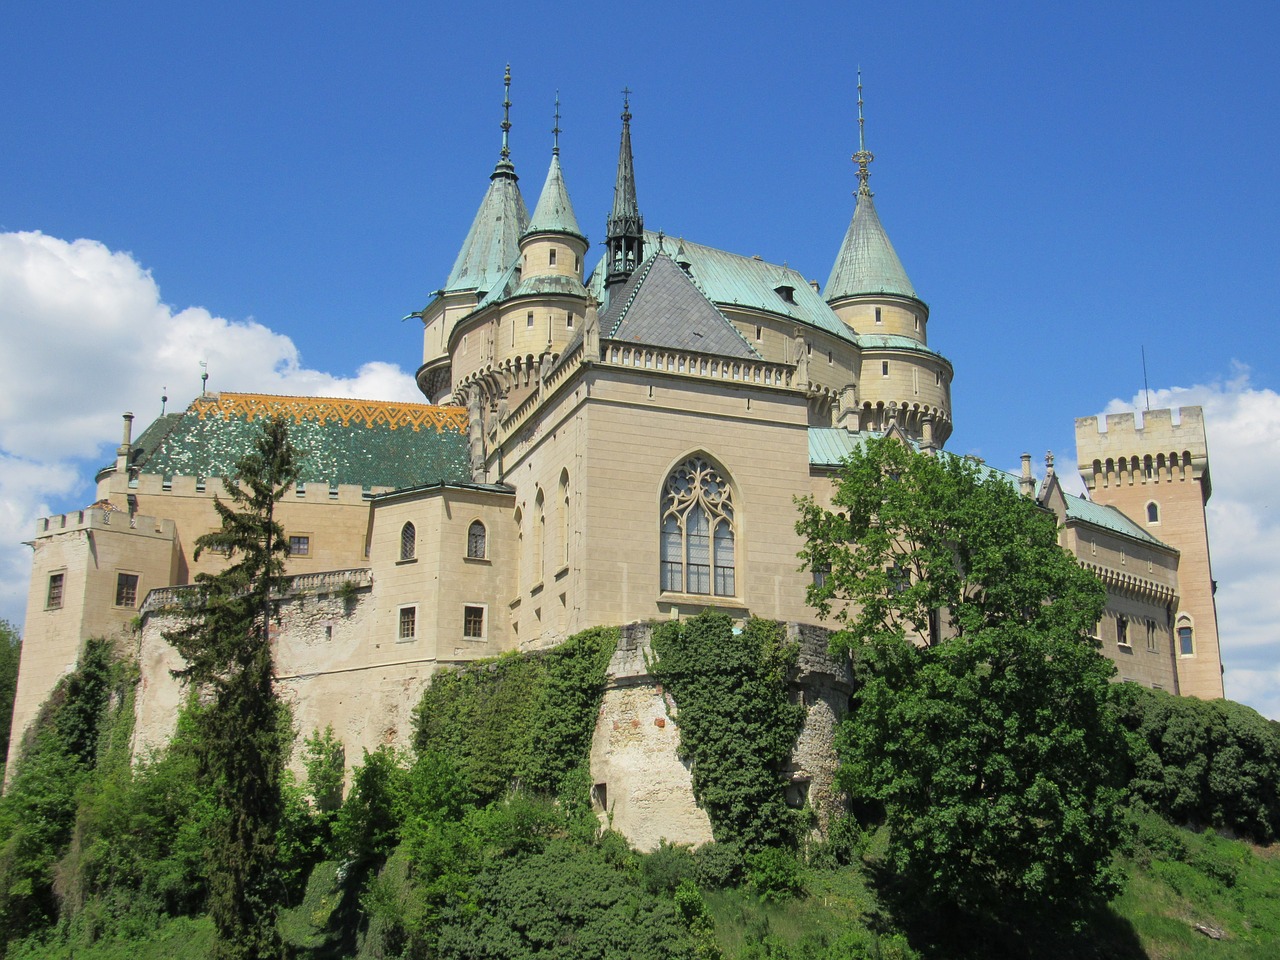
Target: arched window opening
x=697, y=546
x=539, y=536
x=1153, y=512
x=564, y=517
x=476, y=541
x=1186, y=638
x=408, y=542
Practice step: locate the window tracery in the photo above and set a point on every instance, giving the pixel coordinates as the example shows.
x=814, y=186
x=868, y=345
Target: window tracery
x=698, y=543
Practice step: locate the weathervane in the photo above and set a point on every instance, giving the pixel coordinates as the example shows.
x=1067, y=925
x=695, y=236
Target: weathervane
x=864, y=156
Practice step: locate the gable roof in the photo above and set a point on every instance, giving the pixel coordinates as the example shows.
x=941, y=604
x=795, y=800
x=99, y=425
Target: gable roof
x=660, y=306
x=372, y=443
x=867, y=262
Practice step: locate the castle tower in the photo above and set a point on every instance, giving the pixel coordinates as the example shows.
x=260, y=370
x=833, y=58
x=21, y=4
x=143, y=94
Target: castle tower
x=902, y=380
x=492, y=245
x=624, y=237
x=542, y=310
x=1158, y=474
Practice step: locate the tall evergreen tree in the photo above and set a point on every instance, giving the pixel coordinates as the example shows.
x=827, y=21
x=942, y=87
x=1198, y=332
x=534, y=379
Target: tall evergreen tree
x=226, y=645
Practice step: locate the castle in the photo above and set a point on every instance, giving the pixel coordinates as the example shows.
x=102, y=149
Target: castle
x=607, y=448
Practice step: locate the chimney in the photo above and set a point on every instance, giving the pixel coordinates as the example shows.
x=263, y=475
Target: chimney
x=1027, y=483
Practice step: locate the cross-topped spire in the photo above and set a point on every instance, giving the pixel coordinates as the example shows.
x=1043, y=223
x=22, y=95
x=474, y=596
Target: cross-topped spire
x=555, y=130
x=626, y=104
x=506, y=113
x=864, y=156
x=624, y=232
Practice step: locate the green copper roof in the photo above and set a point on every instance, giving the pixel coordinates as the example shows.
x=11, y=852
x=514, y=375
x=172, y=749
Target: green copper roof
x=890, y=341
x=366, y=442
x=554, y=212
x=1107, y=517
x=867, y=263
x=729, y=279
x=493, y=242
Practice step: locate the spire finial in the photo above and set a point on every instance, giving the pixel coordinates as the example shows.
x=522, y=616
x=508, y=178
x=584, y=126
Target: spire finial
x=864, y=156
x=626, y=104
x=506, y=113
x=555, y=130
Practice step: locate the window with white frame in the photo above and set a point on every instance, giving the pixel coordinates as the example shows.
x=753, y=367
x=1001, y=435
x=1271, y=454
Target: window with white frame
x=1186, y=637
x=698, y=545
x=473, y=622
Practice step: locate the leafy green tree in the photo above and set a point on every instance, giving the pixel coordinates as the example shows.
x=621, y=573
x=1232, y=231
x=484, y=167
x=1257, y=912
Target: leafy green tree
x=228, y=655
x=981, y=722
x=10, y=654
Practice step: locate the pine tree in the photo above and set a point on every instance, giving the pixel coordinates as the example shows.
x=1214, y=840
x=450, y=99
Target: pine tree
x=226, y=645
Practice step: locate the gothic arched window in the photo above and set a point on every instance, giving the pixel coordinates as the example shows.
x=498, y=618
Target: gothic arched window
x=475, y=541
x=408, y=542
x=697, y=531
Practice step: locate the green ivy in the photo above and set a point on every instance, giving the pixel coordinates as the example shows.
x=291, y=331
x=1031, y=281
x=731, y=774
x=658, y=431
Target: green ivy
x=520, y=719
x=738, y=725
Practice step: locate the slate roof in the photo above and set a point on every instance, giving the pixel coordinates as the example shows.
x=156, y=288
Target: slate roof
x=554, y=212
x=367, y=442
x=660, y=306
x=867, y=262
x=730, y=279
x=493, y=242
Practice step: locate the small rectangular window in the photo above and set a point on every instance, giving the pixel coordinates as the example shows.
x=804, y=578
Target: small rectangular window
x=1122, y=631
x=299, y=546
x=884, y=368
x=878, y=317
x=1186, y=646
x=126, y=589
x=528, y=320
x=300, y=489
x=53, y=600
x=758, y=333
x=568, y=321
x=473, y=623
x=551, y=258
x=408, y=623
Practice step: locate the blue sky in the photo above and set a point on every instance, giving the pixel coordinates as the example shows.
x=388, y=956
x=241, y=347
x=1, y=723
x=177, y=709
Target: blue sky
x=1066, y=185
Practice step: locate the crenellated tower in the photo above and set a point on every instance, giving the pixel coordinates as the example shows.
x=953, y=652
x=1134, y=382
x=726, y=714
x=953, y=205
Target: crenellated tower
x=902, y=380
x=624, y=236
x=1158, y=474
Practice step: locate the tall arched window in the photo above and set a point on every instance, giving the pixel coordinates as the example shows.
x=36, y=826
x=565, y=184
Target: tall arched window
x=475, y=541
x=539, y=535
x=564, y=517
x=1153, y=512
x=408, y=542
x=697, y=547
x=1186, y=637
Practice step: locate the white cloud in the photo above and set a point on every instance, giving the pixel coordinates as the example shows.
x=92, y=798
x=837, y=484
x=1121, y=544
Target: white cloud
x=84, y=336
x=1243, y=426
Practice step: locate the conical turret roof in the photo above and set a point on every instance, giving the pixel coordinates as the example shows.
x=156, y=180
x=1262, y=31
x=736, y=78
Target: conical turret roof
x=554, y=212
x=867, y=262
x=493, y=242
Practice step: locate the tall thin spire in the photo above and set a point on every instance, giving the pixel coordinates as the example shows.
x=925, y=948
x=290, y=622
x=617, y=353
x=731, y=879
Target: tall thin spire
x=625, y=231
x=555, y=130
x=506, y=113
x=864, y=156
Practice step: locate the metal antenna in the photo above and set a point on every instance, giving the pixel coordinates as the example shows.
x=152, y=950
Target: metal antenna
x=204, y=377
x=164, y=398
x=1145, y=389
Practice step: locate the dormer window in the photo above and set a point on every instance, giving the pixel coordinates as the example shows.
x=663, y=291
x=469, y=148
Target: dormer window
x=786, y=292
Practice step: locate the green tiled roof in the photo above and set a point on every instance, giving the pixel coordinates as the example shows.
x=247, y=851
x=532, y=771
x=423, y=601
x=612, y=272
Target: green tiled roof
x=365, y=442
x=554, y=212
x=493, y=242
x=1107, y=517
x=729, y=279
x=867, y=262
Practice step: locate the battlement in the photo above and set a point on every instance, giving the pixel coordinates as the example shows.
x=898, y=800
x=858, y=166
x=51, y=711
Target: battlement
x=1117, y=450
x=101, y=518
